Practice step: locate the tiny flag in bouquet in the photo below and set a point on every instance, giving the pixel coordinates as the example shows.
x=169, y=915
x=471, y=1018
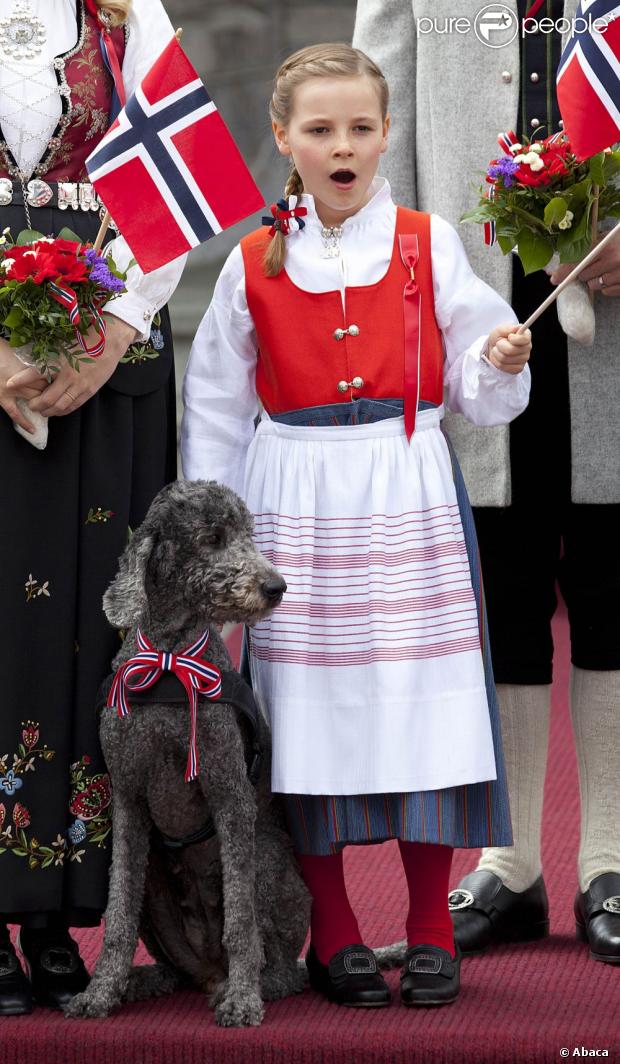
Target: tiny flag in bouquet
x=168, y=169
x=588, y=79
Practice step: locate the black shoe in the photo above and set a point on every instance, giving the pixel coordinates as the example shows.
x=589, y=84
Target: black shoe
x=351, y=978
x=431, y=976
x=57, y=972
x=485, y=912
x=597, y=916
x=15, y=989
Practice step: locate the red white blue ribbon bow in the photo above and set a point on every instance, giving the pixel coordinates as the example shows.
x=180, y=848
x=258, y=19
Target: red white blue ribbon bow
x=65, y=295
x=145, y=669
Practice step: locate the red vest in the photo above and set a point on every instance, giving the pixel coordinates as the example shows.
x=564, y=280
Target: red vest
x=301, y=360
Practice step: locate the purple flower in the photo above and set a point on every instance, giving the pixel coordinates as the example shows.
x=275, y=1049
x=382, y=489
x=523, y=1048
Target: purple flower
x=503, y=168
x=100, y=274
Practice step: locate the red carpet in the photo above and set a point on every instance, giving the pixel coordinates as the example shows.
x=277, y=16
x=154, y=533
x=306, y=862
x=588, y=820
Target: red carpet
x=520, y=1004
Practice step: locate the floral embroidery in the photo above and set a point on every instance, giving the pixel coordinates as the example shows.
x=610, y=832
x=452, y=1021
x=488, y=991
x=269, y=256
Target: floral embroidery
x=10, y=782
x=34, y=589
x=98, y=515
x=142, y=352
x=89, y=803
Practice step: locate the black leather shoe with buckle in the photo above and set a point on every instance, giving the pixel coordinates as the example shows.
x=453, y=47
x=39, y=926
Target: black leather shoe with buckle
x=15, y=989
x=597, y=917
x=57, y=972
x=485, y=912
x=431, y=976
x=351, y=978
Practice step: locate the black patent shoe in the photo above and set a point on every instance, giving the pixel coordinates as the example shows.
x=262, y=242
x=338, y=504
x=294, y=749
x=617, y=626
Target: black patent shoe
x=597, y=916
x=431, y=976
x=351, y=978
x=57, y=972
x=15, y=989
x=485, y=912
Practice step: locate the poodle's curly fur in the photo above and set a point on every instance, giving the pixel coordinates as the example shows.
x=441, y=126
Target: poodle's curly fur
x=228, y=915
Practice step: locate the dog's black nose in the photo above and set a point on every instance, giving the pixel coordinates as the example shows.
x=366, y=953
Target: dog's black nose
x=274, y=589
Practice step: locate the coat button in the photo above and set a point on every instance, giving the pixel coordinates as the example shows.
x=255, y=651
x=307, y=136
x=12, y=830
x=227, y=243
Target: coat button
x=338, y=334
x=534, y=77
x=354, y=330
x=506, y=76
x=357, y=382
x=342, y=386
x=535, y=122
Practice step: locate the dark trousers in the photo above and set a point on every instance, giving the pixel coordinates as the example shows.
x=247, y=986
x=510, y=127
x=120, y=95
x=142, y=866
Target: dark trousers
x=543, y=539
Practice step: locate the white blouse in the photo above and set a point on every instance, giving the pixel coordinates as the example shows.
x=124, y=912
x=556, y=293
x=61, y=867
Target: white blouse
x=30, y=107
x=219, y=387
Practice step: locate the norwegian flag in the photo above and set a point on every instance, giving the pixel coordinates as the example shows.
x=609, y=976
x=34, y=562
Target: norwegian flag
x=588, y=80
x=168, y=169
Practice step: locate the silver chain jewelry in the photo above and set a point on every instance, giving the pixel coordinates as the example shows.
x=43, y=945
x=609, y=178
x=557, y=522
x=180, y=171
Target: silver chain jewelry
x=331, y=236
x=22, y=34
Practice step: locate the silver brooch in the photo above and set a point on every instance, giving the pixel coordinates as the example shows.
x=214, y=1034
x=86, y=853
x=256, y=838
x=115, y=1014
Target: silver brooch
x=331, y=235
x=612, y=905
x=22, y=34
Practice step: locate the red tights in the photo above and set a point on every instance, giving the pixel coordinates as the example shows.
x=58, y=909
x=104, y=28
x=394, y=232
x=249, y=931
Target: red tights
x=333, y=923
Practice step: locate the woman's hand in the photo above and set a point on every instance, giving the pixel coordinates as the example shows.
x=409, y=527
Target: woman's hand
x=71, y=388
x=9, y=366
x=605, y=268
x=509, y=350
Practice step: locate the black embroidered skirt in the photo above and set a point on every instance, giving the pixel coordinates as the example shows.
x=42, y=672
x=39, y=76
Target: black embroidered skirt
x=65, y=513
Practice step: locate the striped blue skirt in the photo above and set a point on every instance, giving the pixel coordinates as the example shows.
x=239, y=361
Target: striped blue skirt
x=466, y=816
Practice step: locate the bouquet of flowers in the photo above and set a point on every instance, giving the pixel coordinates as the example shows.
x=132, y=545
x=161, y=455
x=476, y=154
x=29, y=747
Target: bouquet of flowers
x=544, y=203
x=52, y=290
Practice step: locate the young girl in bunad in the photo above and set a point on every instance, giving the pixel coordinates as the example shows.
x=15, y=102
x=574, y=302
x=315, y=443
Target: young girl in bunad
x=347, y=317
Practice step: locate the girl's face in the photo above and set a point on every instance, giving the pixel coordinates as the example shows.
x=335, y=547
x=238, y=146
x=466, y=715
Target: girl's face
x=336, y=136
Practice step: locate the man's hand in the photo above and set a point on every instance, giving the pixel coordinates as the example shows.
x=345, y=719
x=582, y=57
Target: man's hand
x=509, y=350
x=605, y=268
x=71, y=388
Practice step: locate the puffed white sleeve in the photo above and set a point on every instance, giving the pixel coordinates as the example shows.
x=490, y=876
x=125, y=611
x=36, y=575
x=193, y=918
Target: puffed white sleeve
x=467, y=310
x=149, y=31
x=219, y=389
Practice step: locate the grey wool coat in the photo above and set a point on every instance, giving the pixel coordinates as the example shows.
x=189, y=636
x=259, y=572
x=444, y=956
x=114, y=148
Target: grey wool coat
x=450, y=97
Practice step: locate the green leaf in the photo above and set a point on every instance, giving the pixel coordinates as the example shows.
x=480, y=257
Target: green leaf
x=28, y=236
x=68, y=234
x=506, y=243
x=14, y=318
x=555, y=211
x=19, y=852
x=534, y=250
x=597, y=170
x=48, y=861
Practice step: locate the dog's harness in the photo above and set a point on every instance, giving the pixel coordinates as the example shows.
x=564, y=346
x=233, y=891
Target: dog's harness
x=153, y=676
x=235, y=692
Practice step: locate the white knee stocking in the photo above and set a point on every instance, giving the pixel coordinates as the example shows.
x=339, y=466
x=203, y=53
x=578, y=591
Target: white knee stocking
x=524, y=713
x=595, y=712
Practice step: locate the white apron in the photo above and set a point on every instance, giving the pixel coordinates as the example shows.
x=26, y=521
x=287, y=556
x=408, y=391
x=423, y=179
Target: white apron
x=370, y=671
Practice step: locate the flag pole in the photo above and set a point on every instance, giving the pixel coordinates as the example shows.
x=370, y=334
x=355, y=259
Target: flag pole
x=571, y=277
x=107, y=217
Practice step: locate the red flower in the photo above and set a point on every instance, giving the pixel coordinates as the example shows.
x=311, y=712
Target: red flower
x=43, y=262
x=21, y=816
x=70, y=246
x=30, y=735
x=86, y=759
x=2, y=814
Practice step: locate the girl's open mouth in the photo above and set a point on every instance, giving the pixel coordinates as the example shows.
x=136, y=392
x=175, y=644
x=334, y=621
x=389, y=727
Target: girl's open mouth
x=343, y=178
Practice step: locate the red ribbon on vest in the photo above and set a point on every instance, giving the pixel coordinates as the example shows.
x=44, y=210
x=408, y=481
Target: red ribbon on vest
x=412, y=307
x=145, y=669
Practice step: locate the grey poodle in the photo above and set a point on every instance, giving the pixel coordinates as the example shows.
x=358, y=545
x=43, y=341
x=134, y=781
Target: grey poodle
x=203, y=871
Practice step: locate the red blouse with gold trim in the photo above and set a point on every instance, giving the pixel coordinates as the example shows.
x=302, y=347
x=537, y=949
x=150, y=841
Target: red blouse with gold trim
x=313, y=352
